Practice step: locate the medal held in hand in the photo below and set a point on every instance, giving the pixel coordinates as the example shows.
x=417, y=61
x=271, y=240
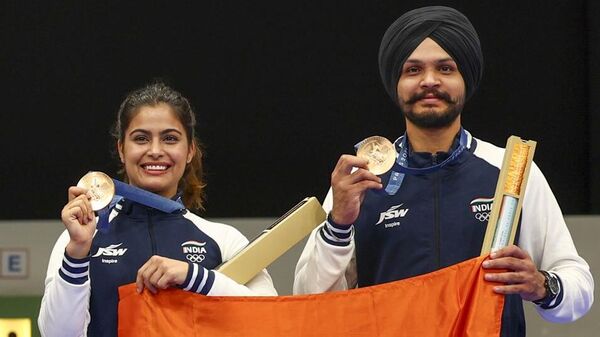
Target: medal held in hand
x=101, y=188
x=380, y=153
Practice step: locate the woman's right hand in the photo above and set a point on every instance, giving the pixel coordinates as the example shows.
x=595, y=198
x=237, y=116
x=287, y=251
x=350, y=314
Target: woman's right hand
x=80, y=221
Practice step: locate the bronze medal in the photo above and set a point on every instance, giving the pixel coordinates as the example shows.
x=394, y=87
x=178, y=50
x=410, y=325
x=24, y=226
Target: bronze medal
x=101, y=188
x=379, y=152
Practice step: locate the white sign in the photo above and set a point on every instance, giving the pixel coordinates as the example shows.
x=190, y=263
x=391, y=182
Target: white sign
x=14, y=263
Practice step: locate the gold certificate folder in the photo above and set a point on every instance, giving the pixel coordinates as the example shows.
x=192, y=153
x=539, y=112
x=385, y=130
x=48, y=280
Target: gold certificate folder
x=274, y=241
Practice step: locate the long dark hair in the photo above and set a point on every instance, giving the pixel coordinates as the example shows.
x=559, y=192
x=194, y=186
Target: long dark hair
x=192, y=183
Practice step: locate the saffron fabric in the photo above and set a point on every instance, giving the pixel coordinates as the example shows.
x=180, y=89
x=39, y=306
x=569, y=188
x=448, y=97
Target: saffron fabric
x=454, y=301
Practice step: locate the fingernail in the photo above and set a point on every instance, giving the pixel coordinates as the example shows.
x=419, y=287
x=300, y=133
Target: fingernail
x=493, y=255
x=138, y=290
x=485, y=264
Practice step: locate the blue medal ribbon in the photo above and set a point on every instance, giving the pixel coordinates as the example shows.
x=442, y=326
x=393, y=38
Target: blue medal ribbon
x=401, y=168
x=123, y=190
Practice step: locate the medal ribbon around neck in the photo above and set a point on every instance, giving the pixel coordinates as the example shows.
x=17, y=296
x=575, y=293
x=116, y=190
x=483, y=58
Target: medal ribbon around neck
x=401, y=168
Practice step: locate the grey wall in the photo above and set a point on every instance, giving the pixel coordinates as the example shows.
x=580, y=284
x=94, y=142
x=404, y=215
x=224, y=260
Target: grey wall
x=585, y=231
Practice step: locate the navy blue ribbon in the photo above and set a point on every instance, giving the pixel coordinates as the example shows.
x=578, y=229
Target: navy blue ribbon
x=130, y=192
x=401, y=168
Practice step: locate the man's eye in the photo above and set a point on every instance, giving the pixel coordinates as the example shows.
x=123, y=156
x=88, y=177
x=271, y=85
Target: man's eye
x=446, y=69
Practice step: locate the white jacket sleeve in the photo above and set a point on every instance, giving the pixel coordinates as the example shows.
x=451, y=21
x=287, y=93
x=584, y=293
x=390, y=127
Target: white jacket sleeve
x=545, y=236
x=326, y=263
x=64, y=310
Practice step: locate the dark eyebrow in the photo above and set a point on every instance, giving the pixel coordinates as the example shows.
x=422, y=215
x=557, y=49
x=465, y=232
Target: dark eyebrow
x=447, y=59
x=444, y=60
x=412, y=61
x=163, y=132
x=140, y=131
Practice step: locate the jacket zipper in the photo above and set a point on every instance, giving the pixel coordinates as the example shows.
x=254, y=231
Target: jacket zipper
x=436, y=215
x=151, y=232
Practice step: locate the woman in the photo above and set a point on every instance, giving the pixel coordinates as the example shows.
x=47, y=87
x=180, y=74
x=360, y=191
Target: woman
x=159, y=153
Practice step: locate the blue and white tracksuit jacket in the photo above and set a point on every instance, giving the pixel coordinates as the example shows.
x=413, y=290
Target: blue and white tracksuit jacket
x=81, y=296
x=439, y=219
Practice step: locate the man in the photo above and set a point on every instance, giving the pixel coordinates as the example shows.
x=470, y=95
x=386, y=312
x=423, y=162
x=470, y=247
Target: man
x=380, y=229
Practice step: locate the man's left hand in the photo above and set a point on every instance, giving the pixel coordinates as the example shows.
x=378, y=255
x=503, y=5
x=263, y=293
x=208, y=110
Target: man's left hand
x=521, y=275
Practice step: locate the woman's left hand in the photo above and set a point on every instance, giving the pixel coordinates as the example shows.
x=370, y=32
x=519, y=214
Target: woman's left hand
x=160, y=273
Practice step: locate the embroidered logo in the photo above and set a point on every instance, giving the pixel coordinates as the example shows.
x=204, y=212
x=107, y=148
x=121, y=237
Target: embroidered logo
x=194, y=251
x=393, y=213
x=481, y=208
x=112, y=251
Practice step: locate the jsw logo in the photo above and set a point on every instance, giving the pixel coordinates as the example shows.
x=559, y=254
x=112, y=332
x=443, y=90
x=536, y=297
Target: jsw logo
x=111, y=251
x=392, y=213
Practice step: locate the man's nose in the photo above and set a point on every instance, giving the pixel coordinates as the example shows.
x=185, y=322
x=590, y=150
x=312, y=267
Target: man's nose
x=430, y=79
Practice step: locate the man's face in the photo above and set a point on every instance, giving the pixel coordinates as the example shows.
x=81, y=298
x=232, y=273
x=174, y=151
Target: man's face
x=431, y=91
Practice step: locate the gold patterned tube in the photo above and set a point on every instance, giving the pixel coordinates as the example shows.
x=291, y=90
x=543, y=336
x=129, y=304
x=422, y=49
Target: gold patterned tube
x=510, y=191
x=516, y=169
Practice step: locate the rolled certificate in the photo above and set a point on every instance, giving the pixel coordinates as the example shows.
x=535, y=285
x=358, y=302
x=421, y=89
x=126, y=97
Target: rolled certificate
x=510, y=189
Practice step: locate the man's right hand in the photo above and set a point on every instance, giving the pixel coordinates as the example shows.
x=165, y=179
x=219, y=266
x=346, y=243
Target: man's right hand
x=349, y=188
x=80, y=221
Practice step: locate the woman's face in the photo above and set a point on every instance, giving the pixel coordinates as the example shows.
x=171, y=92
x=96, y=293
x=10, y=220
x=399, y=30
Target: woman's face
x=155, y=150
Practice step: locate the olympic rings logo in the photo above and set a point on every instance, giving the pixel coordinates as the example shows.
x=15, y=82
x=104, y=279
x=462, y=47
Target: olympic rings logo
x=482, y=216
x=195, y=258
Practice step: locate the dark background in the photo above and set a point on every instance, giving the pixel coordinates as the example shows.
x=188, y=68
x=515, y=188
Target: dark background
x=280, y=89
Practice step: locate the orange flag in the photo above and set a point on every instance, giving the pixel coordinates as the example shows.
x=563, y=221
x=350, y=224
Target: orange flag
x=453, y=302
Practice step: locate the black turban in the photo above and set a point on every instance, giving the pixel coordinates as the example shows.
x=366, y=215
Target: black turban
x=447, y=27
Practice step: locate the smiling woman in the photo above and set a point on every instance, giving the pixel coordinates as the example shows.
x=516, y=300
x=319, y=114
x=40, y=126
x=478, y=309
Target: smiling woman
x=159, y=152
x=154, y=150
x=155, y=126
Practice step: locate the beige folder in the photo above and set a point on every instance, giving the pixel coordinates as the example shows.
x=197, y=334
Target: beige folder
x=274, y=241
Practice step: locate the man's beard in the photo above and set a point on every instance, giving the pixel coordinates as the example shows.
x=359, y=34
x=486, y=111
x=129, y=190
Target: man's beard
x=430, y=119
